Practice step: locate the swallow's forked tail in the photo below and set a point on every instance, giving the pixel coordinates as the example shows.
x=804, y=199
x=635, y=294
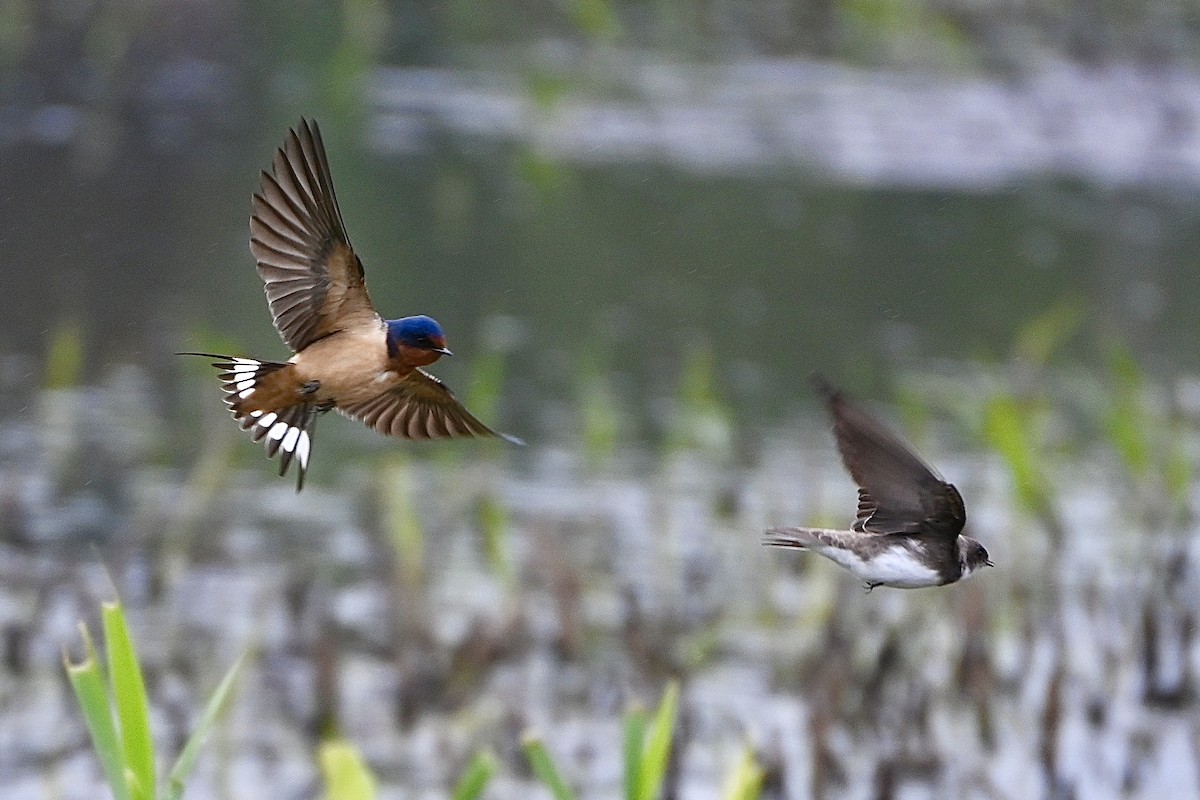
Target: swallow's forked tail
x=288, y=430
x=802, y=538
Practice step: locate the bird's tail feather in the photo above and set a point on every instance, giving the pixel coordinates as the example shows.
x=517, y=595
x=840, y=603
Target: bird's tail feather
x=791, y=537
x=288, y=434
x=288, y=431
x=243, y=377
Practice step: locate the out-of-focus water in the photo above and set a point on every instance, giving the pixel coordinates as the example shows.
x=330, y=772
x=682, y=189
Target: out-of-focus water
x=373, y=606
x=639, y=254
x=779, y=216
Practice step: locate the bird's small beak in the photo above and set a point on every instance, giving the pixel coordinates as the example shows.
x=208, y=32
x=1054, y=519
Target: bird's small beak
x=443, y=350
x=988, y=564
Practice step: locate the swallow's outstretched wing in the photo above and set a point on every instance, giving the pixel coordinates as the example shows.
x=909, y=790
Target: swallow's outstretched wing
x=313, y=279
x=898, y=491
x=420, y=407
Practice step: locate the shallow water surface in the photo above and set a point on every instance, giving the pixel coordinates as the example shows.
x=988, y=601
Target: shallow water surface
x=428, y=608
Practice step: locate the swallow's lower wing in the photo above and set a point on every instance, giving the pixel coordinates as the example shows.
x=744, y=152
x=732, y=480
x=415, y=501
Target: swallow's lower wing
x=314, y=281
x=420, y=407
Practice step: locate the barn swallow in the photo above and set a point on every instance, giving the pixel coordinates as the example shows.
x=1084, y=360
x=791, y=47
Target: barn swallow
x=908, y=530
x=346, y=356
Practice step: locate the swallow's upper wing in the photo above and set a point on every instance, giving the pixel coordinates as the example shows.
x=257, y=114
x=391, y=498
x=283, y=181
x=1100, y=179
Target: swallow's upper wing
x=314, y=281
x=899, y=492
x=420, y=407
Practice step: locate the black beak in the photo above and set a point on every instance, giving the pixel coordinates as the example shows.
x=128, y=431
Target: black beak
x=988, y=564
x=443, y=350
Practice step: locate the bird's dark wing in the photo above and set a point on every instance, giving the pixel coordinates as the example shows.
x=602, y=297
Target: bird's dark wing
x=313, y=280
x=420, y=407
x=899, y=492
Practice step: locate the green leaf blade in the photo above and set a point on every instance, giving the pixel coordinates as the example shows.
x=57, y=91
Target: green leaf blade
x=91, y=691
x=543, y=766
x=133, y=707
x=476, y=777
x=216, y=704
x=746, y=779
x=345, y=774
x=1007, y=429
x=635, y=739
x=657, y=751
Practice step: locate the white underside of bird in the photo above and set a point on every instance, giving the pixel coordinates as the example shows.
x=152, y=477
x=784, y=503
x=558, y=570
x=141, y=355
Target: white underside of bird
x=898, y=566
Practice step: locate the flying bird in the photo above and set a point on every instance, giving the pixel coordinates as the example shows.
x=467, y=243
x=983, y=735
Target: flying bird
x=346, y=356
x=908, y=533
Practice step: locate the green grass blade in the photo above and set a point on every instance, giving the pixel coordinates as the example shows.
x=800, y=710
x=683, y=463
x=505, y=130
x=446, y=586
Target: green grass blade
x=745, y=782
x=596, y=19
x=87, y=679
x=133, y=707
x=494, y=524
x=64, y=361
x=485, y=388
x=487, y=383
x=1046, y=334
x=657, y=751
x=543, y=767
x=346, y=775
x=1128, y=425
x=1178, y=472
x=635, y=740
x=397, y=492
x=702, y=422
x=216, y=704
x=1007, y=429
x=600, y=416
x=476, y=777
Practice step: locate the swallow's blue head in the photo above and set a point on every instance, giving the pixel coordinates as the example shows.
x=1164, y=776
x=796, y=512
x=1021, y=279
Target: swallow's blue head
x=416, y=333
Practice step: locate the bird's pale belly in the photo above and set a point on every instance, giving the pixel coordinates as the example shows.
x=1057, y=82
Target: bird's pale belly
x=346, y=371
x=897, y=566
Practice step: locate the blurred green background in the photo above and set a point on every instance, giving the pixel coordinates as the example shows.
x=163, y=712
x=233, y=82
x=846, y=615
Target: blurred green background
x=593, y=186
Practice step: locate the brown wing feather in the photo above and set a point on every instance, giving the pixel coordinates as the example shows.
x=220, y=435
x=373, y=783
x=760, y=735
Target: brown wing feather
x=314, y=281
x=899, y=492
x=419, y=407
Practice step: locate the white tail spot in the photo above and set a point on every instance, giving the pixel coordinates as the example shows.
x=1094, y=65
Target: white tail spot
x=303, y=445
x=278, y=430
x=244, y=384
x=268, y=420
x=289, y=441
x=244, y=393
